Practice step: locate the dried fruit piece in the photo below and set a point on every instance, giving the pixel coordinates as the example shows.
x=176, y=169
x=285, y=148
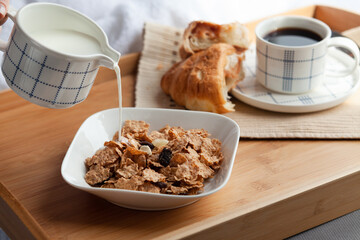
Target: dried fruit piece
x=146, y=149
x=146, y=143
x=160, y=142
x=165, y=157
x=161, y=184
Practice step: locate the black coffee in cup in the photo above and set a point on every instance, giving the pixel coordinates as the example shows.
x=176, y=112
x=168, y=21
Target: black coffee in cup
x=292, y=37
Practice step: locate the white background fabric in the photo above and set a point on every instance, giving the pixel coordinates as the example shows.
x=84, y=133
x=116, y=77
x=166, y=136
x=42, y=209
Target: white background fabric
x=123, y=22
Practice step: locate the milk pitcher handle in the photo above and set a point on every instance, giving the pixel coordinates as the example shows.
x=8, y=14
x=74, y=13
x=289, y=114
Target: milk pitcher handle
x=11, y=14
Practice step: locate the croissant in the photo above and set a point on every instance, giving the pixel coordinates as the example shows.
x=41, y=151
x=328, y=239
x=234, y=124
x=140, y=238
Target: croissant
x=201, y=82
x=200, y=35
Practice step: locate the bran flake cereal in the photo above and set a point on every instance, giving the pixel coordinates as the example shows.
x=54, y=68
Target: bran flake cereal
x=169, y=161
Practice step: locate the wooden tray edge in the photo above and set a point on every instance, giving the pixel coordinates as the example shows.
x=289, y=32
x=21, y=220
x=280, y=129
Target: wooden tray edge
x=271, y=222
x=128, y=63
x=338, y=19
x=20, y=217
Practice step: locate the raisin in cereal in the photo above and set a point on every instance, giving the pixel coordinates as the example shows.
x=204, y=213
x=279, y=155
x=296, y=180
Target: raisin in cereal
x=170, y=161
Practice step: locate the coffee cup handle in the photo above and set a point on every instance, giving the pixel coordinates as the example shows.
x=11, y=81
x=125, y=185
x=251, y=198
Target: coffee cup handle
x=349, y=45
x=11, y=14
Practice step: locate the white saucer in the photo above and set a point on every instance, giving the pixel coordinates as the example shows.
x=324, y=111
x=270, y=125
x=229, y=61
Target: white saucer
x=330, y=93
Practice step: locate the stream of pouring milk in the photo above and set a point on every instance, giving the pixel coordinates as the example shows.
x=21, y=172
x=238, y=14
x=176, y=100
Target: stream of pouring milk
x=73, y=42
x=118, y=77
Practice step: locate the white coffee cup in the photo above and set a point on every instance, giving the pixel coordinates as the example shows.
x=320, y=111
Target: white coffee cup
x=297, y=69
x=47, y=76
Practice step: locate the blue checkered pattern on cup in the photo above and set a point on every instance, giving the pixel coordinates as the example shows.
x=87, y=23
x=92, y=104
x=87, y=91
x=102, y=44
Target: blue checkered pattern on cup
x=296, y=68
x=331, y=90
x=43, y=79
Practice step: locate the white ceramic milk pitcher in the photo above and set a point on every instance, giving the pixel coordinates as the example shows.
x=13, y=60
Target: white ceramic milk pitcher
x=53, y=54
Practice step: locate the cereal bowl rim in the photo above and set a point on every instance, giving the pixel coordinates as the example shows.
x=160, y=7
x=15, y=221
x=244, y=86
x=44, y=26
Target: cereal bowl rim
x=91, y=189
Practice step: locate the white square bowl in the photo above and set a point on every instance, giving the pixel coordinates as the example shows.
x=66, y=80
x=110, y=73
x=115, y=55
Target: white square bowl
x=101, y=127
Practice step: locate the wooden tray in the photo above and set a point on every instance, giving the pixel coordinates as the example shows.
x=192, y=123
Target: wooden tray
x=278, y=188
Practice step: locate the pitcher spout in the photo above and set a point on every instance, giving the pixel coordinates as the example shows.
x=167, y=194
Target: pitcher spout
x=110, y=58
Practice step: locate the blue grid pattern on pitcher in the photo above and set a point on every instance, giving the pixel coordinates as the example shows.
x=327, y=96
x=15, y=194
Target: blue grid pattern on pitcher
x=37, y=81
x=38, y=77
x=82, y=82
